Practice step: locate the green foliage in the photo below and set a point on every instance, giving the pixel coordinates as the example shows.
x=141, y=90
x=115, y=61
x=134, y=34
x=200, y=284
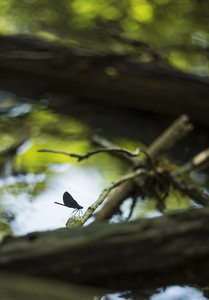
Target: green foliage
x=49, y=130
x=157, y=22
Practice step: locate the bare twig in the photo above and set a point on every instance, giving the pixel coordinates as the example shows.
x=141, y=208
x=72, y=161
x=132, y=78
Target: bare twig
x=105, y=144
x=81, y=157
x=132, y=208
x=82, y=220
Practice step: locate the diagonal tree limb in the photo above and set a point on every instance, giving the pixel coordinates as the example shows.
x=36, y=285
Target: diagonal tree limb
x=79, y=221
x=176, y=131
x=169, y=138
x=198, y=196
x=198, y=162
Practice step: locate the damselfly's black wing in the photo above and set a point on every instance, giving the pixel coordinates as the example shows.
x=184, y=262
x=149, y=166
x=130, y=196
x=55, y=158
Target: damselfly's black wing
x=70, y=202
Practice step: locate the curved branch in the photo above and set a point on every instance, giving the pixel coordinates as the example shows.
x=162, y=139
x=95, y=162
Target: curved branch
x=81, y=157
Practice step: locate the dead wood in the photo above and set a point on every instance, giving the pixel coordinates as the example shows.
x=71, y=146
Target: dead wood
x=198, y=162
x=116, y=150
x=147, y=253
x=32, y=67
x=159, y=146
x=197, y=195
x=15, y=286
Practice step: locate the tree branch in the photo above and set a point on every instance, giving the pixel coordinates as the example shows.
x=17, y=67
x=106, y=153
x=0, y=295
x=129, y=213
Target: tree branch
x=169, y=138
x=85, y=156
x=177, y=130
x=198, y=196
x=79, y=221
x=199, y=161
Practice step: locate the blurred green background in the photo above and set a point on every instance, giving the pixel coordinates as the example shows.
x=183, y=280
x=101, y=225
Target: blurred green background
x=176, y=29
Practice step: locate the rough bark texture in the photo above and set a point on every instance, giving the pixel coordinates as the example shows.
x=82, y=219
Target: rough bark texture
x=148, y=253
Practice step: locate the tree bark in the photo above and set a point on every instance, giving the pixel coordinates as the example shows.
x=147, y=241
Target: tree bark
x=32, y=67
x=147, y=253
x=15, y=286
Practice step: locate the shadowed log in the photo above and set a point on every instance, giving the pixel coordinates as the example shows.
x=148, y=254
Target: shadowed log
x=148, y=253
x=31, y=67
x=14, y=286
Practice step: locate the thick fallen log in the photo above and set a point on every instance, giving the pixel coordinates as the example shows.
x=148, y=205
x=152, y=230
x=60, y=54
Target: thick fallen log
x=147, y=253
x=14, y=286
x=32, y=67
